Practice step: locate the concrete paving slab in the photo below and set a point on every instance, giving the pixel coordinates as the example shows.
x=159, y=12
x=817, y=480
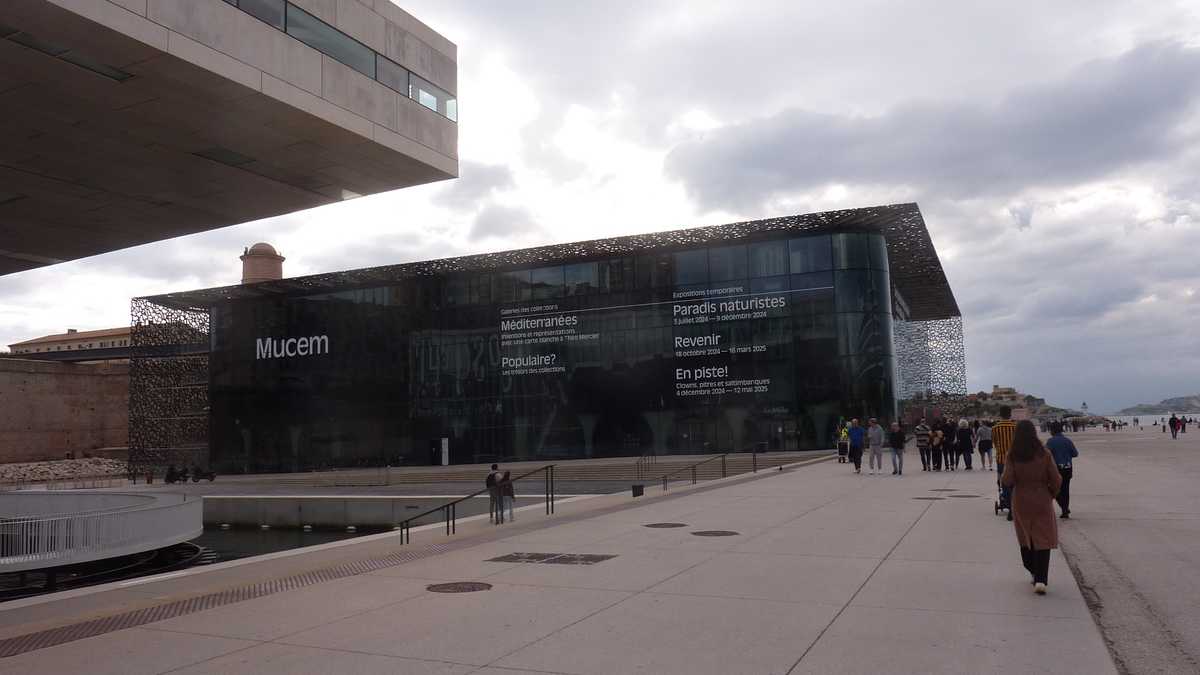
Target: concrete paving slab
x=918, y=642
x=848, y=534
x=568, y=535
x=274, y=616
x=631, y=570
x=941, y=534
x=680, y=539
x=666, y=634
x=474, y=628
x=127, y=652
x=791, y=578
x=271, y=659
x=464, y=565
x=1000, y=587
x=820, y=557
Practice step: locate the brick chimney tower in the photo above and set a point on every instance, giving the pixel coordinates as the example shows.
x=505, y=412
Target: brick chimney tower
x=260, y=262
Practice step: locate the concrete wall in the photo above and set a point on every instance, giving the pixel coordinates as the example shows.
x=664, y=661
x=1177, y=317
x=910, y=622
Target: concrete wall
x=224, y=40
x=317, y=511
x=48, y=409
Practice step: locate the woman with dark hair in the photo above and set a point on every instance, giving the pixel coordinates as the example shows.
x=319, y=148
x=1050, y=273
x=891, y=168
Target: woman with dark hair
x=508, y=497
x=1033, y=477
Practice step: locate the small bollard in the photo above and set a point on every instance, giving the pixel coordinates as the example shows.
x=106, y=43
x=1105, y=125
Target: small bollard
x=638, y=489
x=351, y=528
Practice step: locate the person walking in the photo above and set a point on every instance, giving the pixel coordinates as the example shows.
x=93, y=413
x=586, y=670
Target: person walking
x=950, y=445
x=983, y=438
x=1174, y=422
x=1030, y=473
x=966, y=446
x=508, y=496
x=897, y=439
x=1063, y=450
x=857, y=438
x=936, y=441
x=875, y=446
x=1002, y=436
x=922, y=433
x=492, y=482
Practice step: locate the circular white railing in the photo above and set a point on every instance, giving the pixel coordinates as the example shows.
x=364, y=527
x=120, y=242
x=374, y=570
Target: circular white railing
x=51, y=529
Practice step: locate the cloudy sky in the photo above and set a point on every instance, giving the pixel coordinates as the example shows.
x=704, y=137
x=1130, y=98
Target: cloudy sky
x=1052, y=147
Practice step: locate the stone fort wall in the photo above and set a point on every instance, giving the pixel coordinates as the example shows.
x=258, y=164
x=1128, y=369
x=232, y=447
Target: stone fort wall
x=50, y=410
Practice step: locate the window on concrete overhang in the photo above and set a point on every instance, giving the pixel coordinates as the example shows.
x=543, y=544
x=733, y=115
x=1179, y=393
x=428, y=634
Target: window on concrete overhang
x=328, y=40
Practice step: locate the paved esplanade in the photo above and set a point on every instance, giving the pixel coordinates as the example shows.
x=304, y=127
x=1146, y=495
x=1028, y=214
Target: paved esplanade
x=1134, y=536
x=828, y=572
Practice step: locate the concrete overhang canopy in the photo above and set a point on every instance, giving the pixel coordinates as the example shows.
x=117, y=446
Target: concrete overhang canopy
x=123, y=126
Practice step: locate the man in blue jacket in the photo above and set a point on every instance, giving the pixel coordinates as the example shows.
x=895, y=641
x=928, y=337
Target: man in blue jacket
x=1064, y=451
x=858, y=437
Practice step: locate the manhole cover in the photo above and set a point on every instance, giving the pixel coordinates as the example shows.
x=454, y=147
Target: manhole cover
x=942, y=490
x=459, y=587
x=715, y=533
x=931, y=499
x=665, y=525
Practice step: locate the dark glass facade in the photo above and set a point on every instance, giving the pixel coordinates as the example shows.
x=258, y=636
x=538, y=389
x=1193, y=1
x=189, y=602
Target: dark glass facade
x=758, y=343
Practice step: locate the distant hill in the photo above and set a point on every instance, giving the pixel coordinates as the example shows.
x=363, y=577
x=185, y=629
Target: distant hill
x=1180, y=404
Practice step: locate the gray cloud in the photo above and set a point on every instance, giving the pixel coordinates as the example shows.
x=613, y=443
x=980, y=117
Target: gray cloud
x=1105, y=116
x=499, y=221
x=476, y=182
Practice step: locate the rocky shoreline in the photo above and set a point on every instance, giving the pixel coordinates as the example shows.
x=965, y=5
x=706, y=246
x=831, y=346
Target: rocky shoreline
x=61, y=469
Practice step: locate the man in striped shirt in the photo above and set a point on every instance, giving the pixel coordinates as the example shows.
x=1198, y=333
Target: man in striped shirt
x=1002, y=436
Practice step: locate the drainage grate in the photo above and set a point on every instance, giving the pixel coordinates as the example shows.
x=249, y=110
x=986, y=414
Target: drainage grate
x=553, y=558
x=459, y=587
x=716, y=533
x=665, y=525
x=942, y=490
x=140, y=617
x=524, y=557
x=965, y=496
x=931, y=499
x=578, y=559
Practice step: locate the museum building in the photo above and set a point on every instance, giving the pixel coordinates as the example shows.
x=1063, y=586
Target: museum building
x=748, y=336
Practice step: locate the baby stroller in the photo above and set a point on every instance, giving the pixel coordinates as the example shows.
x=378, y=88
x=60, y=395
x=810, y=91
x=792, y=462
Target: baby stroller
x=1003, y=500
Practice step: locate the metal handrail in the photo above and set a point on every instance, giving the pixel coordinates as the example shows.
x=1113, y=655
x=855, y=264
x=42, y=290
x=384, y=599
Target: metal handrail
x=692, y=467
x=639, y=467
x=450, y=509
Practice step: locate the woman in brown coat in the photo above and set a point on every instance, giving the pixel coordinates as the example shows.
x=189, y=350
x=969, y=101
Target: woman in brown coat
x=1034, y=479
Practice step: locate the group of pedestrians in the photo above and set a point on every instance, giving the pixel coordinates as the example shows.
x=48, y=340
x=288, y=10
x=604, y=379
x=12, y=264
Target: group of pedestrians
x=1178, y=425
x=872, y=439
x=948, y=444
x=501, y=496
x=1031, y=476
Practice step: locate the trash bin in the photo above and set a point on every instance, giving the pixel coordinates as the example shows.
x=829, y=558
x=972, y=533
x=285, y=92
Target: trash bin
x=639, y=490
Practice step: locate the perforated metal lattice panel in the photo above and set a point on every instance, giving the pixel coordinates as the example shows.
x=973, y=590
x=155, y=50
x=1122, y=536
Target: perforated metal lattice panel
x=168, y=387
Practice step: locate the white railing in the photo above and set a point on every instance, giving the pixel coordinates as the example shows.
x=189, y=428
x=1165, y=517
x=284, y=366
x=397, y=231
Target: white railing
x=48, y=530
